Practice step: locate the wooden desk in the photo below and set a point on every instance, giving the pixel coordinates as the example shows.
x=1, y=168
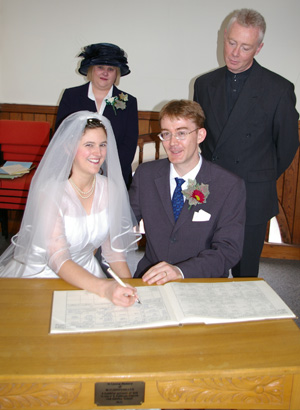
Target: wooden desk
x=254, y=365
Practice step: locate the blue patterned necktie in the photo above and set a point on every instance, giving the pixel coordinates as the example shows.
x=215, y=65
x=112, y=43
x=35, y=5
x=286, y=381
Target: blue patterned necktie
x=177, y=199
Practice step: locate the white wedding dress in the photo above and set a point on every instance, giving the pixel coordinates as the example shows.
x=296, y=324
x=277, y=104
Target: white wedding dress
x=76, y=236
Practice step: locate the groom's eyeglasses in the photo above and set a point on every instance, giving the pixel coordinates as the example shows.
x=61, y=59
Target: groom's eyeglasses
x=179, y=135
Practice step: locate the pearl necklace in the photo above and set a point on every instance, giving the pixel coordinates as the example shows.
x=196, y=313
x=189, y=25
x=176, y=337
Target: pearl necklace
x=84, y=194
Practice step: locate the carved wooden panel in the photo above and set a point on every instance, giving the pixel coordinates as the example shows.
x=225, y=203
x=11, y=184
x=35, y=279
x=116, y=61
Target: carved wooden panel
x=261, y=390
x=37, y=395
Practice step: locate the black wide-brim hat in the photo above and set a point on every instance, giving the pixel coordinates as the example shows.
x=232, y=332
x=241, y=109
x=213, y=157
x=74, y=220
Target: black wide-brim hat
x=103, y=54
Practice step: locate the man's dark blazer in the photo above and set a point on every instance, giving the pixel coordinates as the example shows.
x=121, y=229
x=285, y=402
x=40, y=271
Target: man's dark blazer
x=259, y=139
x=200, y=249
x=124, y=122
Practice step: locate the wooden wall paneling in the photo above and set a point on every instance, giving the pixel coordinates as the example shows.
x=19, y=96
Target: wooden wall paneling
x=51, y=119
x=40, y=117
x=279, y=187
x=281, y=251
x=28, y=117
x=15, y=116
x=283, y=225
x=288, y=188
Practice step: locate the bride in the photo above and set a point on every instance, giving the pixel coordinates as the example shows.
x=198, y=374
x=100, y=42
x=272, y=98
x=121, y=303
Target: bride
x=72, y=210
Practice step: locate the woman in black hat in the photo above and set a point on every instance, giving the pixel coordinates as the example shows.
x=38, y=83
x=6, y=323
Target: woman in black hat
x=103, y=64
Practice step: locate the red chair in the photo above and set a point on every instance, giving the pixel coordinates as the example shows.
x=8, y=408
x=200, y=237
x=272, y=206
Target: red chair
x=24, y=141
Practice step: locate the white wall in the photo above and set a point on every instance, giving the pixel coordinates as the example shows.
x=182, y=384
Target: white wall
x=168, y=42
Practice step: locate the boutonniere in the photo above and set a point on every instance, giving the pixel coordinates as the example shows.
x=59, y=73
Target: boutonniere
x=196, y=193
x=117, y=102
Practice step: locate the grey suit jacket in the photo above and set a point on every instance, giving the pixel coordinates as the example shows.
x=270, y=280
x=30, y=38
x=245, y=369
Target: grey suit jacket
x=258, y=140
x=200, y=249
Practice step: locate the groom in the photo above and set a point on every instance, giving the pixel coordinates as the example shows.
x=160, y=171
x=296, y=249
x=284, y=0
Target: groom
x=193, y=211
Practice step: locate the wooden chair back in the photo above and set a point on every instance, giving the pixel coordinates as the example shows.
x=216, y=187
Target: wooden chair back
x=23, y=140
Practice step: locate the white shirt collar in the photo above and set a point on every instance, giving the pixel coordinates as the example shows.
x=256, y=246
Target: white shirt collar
x=190, y=175
x=91, y=96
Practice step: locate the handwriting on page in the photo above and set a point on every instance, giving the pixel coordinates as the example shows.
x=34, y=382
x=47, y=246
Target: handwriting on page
x=85, y=310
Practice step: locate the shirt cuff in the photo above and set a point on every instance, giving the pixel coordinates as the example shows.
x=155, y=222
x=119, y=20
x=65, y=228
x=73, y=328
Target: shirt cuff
x=181, y=273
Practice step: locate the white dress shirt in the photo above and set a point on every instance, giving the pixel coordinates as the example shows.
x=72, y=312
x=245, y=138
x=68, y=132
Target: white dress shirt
x=92, y=97
x=190, y=175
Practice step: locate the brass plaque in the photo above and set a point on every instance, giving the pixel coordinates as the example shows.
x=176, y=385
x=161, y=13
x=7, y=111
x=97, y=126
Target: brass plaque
x=119, y=394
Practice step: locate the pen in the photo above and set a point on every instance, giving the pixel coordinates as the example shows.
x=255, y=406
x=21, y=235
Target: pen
x=120, y=282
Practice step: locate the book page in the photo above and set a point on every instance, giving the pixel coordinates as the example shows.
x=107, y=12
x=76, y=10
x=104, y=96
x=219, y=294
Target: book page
x=77, y=311
x=225, y=302
x=14, y=167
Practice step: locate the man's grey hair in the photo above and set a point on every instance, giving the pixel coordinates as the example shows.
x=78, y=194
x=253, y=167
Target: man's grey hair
x=249, y=18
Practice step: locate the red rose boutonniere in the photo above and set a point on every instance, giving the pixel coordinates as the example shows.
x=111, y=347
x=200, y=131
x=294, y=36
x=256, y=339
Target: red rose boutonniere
x=196, y=193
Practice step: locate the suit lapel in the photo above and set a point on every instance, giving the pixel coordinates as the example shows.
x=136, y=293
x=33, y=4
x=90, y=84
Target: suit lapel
x=108, y=110
x=162, y=182
x=204, y=175
x=217, y=97
x=89, y=104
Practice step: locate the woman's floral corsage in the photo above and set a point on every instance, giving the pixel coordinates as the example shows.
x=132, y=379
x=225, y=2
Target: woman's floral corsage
x=117, y=102
x=196, y=193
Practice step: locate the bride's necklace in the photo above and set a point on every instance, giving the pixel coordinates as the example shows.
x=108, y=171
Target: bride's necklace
x=84, y=194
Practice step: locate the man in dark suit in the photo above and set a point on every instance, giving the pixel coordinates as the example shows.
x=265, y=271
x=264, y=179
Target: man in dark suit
x=203, y=236
x=252, y=126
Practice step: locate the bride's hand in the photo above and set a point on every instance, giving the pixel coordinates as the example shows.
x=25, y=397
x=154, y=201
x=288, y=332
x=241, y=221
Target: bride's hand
x=119, y=295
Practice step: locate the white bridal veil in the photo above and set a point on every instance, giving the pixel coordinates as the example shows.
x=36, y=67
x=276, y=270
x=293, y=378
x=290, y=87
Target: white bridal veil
x=30, y=245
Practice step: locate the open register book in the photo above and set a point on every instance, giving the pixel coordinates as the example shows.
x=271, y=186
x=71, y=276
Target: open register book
x=173, y=304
